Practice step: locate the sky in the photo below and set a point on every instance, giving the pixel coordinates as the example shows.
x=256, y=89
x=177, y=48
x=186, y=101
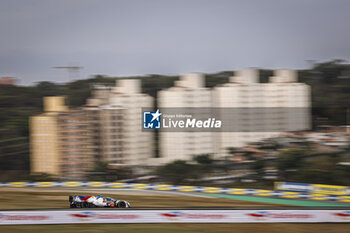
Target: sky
x=141, y=37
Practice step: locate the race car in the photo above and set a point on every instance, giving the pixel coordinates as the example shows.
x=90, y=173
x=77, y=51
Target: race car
x=78, y=201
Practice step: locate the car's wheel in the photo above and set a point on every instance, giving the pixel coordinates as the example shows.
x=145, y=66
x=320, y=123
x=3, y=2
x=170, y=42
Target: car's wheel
x=73, y=206
x=122, y=204
x=91, y=205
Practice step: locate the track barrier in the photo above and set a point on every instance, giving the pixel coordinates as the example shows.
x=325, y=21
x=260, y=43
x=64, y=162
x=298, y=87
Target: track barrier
x=172, y=216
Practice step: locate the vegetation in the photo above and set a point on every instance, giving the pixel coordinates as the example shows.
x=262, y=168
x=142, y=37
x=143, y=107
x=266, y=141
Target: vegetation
x=290, y=161
x=102, y=172
x=178, y=172
x=292, y=165
x=185, y=172
x=298, y=165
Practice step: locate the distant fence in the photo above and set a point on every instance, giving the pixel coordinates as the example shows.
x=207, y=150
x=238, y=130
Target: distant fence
x=171, y=216
x=165, y=187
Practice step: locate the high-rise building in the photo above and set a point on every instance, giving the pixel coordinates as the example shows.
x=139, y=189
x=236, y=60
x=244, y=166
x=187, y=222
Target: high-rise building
x=116, y=120
x=260, y=110
x=137, y=145
x=188, y=92
x=45, y=156
x=75, y=144
x=105, y=123
x=60, y=141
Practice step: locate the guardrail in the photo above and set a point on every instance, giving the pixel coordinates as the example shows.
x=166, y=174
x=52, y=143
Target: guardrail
x=165, y=187
x=171, y=216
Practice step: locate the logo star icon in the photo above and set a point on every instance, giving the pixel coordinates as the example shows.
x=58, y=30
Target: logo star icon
x=156, y=115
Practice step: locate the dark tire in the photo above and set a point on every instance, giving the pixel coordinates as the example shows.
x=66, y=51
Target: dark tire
x=70, y=198
x=73, y=206
x=122, y=204
x=92, y=205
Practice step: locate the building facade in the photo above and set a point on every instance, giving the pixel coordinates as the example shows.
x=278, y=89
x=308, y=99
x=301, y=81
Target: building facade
x=137, y=145
x=45, y=155
x=105, y=123
x=60, y=141
x=260, y=110
x=116, y=119
x=75, y=144
x=188, y=92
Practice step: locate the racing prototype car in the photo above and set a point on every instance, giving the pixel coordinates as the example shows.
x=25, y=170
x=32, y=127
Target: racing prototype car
x=78, y=201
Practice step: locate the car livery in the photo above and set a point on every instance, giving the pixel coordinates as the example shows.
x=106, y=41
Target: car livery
x=79, y=201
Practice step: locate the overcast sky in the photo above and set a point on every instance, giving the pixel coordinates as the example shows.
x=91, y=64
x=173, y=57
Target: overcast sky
x=140, y=37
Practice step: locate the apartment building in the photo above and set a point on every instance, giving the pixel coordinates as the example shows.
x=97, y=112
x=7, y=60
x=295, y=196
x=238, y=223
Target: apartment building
x=60, y=141
x=188, y=92
x=137, y=145
x=116, y=119
x=260, y=110
x=75, y=144
x=105, y=126
x=67, y=143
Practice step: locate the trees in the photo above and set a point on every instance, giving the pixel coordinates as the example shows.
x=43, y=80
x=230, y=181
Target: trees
x=324, y=170
x=204, y=164
x=297, y=166
x=181, y=171
x=204, y=159
x=177, y=172
x=259, y=167
x=103, y=172
x=289, y=161
x=41, y=177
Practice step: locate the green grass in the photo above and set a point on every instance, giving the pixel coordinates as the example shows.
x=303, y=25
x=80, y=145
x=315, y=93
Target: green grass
x=280, y=201
x=183, y=228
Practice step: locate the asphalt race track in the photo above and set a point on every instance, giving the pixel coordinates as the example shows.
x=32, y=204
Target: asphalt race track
x=283, y=201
